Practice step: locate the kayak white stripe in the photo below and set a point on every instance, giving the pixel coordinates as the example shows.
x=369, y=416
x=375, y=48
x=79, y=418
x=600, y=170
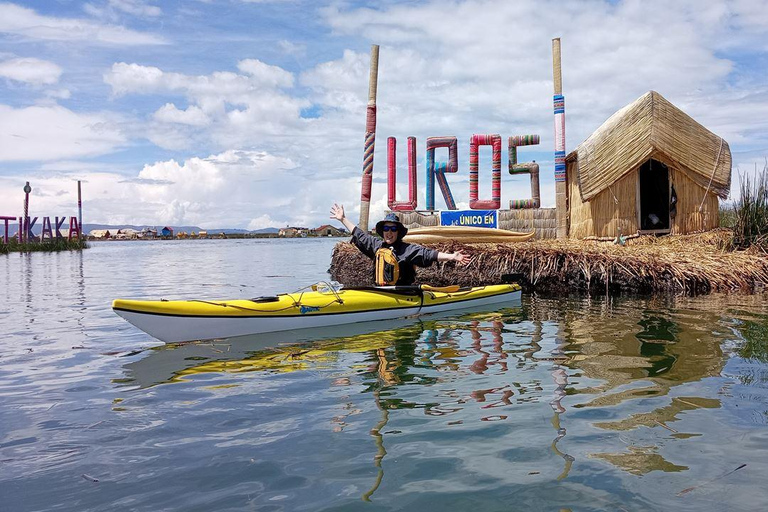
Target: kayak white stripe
x=172, y=329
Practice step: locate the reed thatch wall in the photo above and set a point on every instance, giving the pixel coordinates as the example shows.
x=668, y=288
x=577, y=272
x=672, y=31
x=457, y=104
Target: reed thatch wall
x=543, y=221
x=616, y=207
x=688, y=264
x=690, y=196
x=602, y=216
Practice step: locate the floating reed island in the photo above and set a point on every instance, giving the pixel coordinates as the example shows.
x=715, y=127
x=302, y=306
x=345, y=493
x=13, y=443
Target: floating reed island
x=680, y=264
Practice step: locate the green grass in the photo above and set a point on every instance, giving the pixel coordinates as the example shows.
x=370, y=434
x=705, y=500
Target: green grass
x=57, y=244
x=750, y=212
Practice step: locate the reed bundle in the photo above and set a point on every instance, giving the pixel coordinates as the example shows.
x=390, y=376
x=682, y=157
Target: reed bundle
x=55, y=245
x=681, y=264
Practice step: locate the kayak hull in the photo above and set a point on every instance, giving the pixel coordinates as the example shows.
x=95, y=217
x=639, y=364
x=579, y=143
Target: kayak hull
x=176, y=321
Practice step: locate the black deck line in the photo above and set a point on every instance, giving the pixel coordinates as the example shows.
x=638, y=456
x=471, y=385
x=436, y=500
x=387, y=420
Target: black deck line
x=421, y=306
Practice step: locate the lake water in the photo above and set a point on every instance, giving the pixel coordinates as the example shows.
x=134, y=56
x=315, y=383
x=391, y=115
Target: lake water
x=557, y=403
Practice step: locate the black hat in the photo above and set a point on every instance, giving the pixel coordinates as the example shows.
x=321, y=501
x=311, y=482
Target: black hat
x=394, y=219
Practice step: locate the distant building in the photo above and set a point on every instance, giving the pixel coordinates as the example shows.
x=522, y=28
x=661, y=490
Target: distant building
x=167, y=232
x=126, y=234
x=293, y=232
x=328, y=230
x=100, y=234
x=202, y=234
x=148, y=234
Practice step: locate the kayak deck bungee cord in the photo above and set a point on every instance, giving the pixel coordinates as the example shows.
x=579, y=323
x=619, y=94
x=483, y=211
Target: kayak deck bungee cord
x=322, y=306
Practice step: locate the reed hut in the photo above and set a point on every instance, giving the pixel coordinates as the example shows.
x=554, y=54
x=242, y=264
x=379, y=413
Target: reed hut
x=650, y=168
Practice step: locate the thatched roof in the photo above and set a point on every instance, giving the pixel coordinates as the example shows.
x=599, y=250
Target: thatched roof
x=652, y=127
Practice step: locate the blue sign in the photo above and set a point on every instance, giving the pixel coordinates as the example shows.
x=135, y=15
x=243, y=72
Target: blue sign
x=469, y=218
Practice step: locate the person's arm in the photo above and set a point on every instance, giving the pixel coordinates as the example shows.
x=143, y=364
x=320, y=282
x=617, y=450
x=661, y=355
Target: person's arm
x=424, y=256
x=457, y=256
x=366, y=242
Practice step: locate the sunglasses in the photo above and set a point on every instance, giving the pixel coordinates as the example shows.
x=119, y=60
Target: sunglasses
x=389, y=228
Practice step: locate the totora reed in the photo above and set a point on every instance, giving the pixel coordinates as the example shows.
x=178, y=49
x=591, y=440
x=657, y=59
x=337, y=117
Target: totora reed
x=681, y=264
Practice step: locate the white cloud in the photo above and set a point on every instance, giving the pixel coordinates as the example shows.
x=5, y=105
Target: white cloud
x=266, y=75
x=53, y=132
x=229, y=109
x=25, y=22
x=113, y=9
x=263, y=221
x=60, y=94
x=291, y=48
x=30, y=70
x=136, y=7
x=239, y=189
x=193, y=116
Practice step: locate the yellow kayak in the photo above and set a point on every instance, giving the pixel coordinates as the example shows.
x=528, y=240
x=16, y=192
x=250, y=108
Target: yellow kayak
x=186, y=320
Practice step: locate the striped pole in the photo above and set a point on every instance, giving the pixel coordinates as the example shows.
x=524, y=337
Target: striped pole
x=531, y=168
x=495, y=142
x=79, y=210
x=370, y=140
x=561, y=203
x=436, y=171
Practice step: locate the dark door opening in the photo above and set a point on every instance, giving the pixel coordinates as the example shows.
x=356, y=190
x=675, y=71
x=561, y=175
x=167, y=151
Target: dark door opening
x=654, y=196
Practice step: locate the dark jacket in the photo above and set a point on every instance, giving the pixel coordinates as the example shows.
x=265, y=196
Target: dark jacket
x=407, y=255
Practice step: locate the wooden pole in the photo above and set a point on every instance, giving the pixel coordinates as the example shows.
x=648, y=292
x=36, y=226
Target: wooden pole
x=561, y=198
x=370, y=140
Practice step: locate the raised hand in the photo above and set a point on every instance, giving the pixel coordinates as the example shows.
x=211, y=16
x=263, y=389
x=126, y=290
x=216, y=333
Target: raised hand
x=337, y=212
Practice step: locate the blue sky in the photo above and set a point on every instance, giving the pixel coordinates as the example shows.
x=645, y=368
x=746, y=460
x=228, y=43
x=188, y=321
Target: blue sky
x=249, y=114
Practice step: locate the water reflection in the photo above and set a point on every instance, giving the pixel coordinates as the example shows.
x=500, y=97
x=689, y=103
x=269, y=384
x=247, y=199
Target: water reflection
x=631, y=361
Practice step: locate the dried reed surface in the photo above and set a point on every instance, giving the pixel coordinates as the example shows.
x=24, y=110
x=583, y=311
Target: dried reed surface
x=682, y=264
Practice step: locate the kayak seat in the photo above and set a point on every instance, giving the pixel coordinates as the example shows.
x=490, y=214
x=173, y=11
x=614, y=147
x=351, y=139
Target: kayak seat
x=264, y=299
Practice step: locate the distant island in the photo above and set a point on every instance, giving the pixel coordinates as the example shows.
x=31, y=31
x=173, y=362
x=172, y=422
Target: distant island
x=130, y=232
x=147, y=232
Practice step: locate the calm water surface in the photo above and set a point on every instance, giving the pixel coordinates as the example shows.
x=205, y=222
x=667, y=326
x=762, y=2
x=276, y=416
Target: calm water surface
x=560, y=403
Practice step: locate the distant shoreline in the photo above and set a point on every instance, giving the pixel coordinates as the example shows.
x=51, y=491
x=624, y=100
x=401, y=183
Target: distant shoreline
x=217, y=237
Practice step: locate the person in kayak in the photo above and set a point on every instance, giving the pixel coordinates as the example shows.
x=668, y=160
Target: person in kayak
x=394, y=259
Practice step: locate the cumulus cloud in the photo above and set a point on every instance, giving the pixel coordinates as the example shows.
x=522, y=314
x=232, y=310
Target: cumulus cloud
x=233, y=108
x=239, y=189
x=263, y=221
x=25, y=22
x=193, y=116
x=54, y=132
x=31, y=71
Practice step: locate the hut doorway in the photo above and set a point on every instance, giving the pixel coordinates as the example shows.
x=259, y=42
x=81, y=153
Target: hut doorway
x=653, y=197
